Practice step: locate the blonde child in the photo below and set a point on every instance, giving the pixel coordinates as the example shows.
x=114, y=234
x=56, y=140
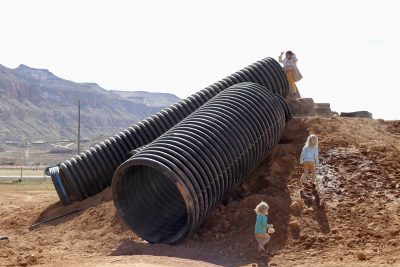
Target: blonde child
x=262, y=228
x=309, y=159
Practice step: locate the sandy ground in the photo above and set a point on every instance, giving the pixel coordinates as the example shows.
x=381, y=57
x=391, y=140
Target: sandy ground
x=354, y=220
x=17, y=172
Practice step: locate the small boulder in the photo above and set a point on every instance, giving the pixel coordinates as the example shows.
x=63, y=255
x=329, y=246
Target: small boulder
x=357, y=114
x=295, y=229
x=334, y=231
x=322, y=105
x=296, y=208
x=361, y=256
x=301, y=106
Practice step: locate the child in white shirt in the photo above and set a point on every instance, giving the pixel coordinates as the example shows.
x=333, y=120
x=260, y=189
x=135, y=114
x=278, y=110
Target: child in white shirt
x=309, y=159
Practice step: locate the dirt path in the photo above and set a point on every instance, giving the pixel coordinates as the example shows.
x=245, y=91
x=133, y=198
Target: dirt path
x=355, y=223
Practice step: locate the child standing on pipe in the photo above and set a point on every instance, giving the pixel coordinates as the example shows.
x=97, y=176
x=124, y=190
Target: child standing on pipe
x=262, y=228
x=309, y=159
x=292, y=72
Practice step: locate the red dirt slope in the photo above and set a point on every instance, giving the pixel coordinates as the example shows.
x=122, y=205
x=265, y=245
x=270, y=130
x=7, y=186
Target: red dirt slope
x=356, y=221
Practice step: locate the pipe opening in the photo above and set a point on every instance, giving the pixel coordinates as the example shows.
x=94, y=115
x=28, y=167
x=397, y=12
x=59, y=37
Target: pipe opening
x=151, y=204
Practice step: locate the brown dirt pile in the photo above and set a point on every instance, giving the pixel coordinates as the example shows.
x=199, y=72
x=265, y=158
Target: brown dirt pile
x=355, y=221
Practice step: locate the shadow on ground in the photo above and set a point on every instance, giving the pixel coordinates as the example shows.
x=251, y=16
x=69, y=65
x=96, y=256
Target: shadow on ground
x=191, y=251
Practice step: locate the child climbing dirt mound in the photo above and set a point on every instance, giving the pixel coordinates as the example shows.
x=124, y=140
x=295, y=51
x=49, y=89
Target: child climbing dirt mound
x=355, y=223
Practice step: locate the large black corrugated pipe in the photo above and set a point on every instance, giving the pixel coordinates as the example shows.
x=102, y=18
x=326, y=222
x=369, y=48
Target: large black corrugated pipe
x=167, y=188
x=91, y=171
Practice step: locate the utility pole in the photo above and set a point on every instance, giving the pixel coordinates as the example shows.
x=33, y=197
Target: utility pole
x=79, y=125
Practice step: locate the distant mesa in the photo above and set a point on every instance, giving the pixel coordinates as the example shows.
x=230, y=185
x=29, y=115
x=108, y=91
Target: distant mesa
x=41, y=74
x=37, y=105
x=23, y=66
x=90, y=84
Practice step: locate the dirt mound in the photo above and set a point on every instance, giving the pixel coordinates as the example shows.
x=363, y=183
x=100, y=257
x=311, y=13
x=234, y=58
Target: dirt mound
x=94, y=230
x=356, y=211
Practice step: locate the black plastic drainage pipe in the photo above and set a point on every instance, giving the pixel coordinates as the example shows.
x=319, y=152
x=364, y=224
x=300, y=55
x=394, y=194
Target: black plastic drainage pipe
x=167, y=188
x=91, y=171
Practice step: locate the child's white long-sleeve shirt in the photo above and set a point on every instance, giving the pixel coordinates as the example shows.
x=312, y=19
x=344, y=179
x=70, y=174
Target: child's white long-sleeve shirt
x=309, y=154
x=288, y=64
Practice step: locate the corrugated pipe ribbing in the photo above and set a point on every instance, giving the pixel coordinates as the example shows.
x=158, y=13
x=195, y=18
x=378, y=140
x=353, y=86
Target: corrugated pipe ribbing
x=91, y=171
x=168, y=187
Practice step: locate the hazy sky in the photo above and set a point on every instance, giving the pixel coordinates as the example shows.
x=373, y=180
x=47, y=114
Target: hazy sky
x=347, y=50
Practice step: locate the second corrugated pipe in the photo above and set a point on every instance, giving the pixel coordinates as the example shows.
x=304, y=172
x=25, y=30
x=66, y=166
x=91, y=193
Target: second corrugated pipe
x=169, y=186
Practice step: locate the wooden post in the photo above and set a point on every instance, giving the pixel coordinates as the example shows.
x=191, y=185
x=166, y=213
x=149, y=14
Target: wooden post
x=79, y=125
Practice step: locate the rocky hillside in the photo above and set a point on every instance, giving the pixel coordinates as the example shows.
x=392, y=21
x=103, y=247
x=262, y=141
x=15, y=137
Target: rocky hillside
x=36, y=104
